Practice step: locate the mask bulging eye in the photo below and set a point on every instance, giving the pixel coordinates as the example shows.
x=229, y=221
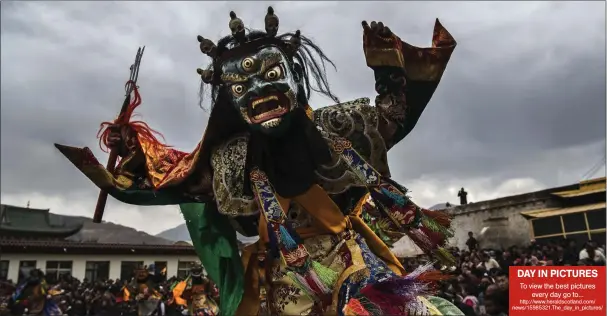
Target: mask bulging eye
x=273, y=74
x=248, y=64
x=238, y=89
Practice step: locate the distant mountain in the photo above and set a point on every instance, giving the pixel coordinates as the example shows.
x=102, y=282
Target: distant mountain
x=106, y=232
x=180, y=233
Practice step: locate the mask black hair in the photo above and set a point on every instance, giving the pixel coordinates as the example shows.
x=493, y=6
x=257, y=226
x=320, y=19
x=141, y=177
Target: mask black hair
x=309, y=63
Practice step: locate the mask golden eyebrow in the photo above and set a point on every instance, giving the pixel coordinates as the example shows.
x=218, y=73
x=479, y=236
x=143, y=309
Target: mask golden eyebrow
x=268, y=62
x=233, y=77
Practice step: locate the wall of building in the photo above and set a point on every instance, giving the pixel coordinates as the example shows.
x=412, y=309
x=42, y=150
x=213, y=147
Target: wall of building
x=79, y=262
x=500, y=218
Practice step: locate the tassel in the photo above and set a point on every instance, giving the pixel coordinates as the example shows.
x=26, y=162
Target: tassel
x=273, y=248
x=420, y=270
x=325, y=274
x=286, y=239
x=428, y=274
x=408, y=288
x=355, y=308
x=396, y=205
x=301, y=284
x=369, y=306
x=316, y=287
x=437, y=239
x=142, y=130
x=420, y=239
x=379, y=198
x=433, y=277
x=397, y=198
x=293, y=233
x=444, y=256
x=441, y=218
x=317, y=283
x=387, y=304
x=392, y=294
x=431, y=225
x=387, y=239
x=382, y=204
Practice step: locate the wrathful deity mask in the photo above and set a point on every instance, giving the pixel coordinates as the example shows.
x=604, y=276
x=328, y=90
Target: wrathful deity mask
x=264, y=76
x=263, y=87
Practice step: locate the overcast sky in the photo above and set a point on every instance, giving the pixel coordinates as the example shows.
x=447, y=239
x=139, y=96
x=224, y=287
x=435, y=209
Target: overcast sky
x=521, y=106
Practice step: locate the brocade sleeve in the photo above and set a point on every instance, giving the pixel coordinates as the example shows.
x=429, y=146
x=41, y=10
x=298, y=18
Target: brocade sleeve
x=406, y=77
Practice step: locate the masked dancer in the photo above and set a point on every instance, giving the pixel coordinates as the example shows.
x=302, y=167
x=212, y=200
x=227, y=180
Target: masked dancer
x=300, y=179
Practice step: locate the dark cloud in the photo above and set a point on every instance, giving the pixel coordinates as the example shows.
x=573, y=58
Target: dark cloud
x=523, y=96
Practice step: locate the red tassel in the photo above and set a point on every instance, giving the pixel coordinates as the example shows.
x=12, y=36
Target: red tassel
x=387, y=303
x=355, y=308
x=435, y=237
x=142, y=129
x=440, y=217
x=421, y=240
x=431, y=277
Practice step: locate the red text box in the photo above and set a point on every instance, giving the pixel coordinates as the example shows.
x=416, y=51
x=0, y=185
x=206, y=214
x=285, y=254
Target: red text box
x=554, y=291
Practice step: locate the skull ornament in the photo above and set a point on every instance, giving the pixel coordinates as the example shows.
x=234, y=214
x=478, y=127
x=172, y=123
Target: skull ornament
x=271, y=21
x=207, y=46
x=236, y=26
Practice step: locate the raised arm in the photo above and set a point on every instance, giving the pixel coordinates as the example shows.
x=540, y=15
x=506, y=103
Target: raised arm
x=405, y=76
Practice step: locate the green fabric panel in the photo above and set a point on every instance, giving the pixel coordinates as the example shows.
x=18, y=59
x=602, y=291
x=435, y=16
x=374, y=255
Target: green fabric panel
x=215, y=242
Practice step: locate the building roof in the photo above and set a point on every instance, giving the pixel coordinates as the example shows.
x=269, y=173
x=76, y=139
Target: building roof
x=587, y=187
x=593, y=191
x=70, y=247
x=593, y=186
x=15, y=220
x=556, y=211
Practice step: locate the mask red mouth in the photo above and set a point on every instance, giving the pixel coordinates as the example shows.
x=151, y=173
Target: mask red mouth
x=267, y=108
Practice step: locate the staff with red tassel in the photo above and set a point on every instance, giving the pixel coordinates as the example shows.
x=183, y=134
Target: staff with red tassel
x=123, y=118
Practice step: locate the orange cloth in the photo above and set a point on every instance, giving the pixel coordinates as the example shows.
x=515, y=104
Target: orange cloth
x=178, y=291
x=330, y=219
x=250, y=299
x=126, y=294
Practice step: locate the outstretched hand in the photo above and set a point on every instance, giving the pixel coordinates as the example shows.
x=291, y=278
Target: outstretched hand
x=378, y=35
x=376, y=29
x=381, y=46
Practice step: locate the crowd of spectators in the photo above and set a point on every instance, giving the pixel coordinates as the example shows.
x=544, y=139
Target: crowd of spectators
x=479, y=281
x=100, y=298
x=477, y=284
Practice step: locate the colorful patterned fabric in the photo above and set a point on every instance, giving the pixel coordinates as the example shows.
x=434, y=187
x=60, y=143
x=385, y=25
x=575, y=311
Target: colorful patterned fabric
x=33, y=295
x=303, y=284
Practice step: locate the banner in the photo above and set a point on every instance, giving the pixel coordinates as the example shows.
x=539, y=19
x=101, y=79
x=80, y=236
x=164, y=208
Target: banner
x=554, y=291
